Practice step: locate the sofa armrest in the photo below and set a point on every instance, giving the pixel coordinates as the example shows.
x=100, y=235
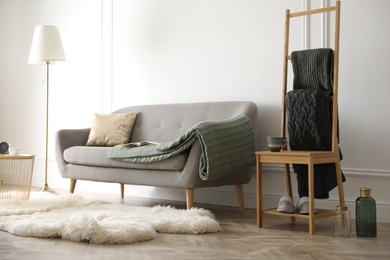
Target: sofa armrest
x=190, y=173
x=66, y=138
x=191, y=177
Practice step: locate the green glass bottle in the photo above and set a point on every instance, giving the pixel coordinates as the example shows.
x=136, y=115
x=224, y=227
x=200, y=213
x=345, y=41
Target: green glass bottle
x=365, y=214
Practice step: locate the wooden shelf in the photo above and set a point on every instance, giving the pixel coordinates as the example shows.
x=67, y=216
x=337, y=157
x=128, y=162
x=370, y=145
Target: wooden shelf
x=321, y=213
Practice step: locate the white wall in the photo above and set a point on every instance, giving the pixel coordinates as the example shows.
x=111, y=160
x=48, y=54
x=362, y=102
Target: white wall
x=122, y=53
x=1, y=64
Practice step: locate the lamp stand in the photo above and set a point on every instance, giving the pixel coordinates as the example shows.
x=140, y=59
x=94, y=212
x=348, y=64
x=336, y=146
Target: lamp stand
x=45, y=187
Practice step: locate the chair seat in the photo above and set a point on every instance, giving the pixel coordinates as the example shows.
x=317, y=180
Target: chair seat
x=298, y=157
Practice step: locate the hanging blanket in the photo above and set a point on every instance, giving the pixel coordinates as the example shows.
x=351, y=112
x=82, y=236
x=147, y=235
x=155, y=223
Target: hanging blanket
x=309, y=116
x=313, y=69
x=227, y=146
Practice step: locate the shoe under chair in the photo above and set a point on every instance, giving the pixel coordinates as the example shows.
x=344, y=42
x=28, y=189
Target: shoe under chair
x=286, y=205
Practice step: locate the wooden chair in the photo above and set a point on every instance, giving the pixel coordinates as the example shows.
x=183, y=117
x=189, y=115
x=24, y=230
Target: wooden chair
x=310, y=158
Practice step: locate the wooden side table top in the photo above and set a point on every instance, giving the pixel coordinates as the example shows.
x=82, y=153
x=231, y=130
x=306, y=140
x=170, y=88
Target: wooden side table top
x=19, y=156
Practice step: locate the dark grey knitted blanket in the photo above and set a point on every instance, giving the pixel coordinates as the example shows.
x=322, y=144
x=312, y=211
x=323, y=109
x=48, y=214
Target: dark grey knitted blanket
x=313, y=69
x=309, y=116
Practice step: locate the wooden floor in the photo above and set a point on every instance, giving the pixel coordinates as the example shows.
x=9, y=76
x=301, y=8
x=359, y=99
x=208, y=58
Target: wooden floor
x=240, y=239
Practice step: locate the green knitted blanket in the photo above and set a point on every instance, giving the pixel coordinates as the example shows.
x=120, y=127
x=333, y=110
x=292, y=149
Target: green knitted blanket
x=227, y=146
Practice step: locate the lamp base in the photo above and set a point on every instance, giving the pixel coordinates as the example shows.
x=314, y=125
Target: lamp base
x=46, y=188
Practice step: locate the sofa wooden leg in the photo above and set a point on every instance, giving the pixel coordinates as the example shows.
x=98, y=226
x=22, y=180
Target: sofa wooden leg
x=190, y=197
x=122, y=187
x=72, y=185
x=240, y=196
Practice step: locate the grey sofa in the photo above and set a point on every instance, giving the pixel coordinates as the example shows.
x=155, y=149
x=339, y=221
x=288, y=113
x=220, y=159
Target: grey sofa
x=160, y=123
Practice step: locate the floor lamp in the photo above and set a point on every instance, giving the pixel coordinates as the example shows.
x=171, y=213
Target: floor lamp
x=46, y=47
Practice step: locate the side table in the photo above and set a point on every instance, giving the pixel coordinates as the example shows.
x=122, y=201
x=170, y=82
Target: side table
x=16, y=176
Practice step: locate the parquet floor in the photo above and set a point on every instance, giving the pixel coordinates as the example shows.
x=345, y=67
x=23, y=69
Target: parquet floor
x=240, y=239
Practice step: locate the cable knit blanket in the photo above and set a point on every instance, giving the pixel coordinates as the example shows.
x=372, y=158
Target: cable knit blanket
x=309, y=116
x=309, y=124
x=227, y=147
x=313, y=69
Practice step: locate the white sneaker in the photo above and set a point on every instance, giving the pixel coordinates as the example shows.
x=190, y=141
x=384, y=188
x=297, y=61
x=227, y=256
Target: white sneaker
x=286, y=205
x=303, y=206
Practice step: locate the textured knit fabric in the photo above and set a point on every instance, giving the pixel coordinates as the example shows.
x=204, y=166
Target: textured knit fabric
x=227, y=147
x=309, y=123
x=310, y=118
x=313, y=69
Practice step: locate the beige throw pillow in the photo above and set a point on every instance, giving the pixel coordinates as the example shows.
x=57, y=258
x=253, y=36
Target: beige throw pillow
x=111, y=129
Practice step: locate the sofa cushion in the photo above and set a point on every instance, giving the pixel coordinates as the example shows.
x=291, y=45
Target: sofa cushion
x=97, y=156
x=111, y=129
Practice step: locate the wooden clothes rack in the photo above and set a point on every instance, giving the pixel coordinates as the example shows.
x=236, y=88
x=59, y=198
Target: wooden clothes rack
x=310, y=158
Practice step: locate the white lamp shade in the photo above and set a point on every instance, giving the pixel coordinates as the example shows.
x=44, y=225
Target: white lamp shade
x=46, y=45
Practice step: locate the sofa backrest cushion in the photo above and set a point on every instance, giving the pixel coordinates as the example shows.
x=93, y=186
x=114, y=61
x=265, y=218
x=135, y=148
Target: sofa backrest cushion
x=166, y=122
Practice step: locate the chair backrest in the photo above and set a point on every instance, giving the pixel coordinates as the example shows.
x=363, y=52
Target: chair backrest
x=287, y=57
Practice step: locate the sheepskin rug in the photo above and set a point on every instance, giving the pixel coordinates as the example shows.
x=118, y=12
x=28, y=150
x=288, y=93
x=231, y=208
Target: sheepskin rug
x=72, y=217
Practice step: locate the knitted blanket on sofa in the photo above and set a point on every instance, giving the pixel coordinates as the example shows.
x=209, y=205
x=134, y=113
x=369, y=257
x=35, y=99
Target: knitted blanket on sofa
x=227, y=146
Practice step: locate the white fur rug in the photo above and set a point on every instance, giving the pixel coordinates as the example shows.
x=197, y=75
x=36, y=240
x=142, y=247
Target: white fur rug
x=74, y=218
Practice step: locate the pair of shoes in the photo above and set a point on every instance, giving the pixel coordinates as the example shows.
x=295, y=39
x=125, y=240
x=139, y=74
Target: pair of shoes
x=286, y=205
x=303, y=206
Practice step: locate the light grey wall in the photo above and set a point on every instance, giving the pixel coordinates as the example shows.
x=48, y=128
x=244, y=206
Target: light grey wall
x=1, y=64
x=123, y=53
